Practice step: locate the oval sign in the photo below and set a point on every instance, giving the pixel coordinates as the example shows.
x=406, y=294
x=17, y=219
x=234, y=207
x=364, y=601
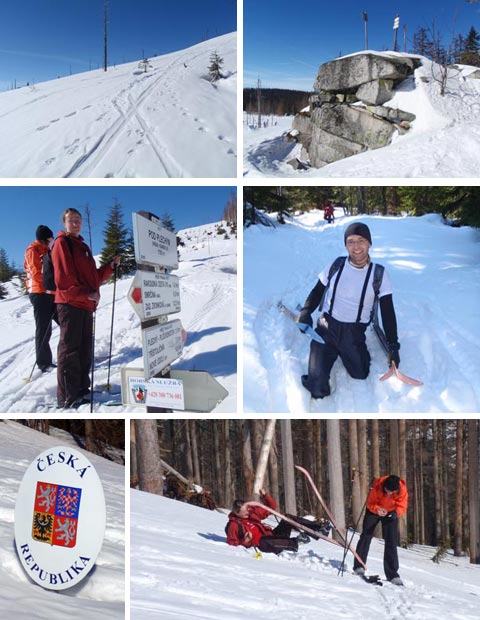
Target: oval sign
x=59, y=518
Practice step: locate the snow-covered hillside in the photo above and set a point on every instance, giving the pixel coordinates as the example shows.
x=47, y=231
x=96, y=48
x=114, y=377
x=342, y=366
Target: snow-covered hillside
x=101, y=594
x=170, y=121
x=181, y=567
x=444, y=140
x=435, y=274
x=208, y=281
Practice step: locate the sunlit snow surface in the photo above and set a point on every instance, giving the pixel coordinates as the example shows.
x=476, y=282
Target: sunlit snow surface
x=170, y=121
x=182, y=568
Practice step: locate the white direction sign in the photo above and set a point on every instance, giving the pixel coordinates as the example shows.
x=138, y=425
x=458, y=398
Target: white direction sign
x=154, y=294
x=59, y=518
x=162, y=344
x=154, y=245
x=201, y=392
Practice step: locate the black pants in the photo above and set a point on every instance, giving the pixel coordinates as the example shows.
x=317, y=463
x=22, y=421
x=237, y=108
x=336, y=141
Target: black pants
x=346, y=340
x=280, y=539
x=74, y=353
x=390, y=535
x=44, y=312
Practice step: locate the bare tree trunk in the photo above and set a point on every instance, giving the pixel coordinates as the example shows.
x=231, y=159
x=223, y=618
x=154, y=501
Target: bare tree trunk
x=256, y=435
x=363, y=458
x=436, y=484
x=335, y=474
x=229, y=490
x=458, y=542
x=473, y=492
x=133, y=456
x=402, y=457
x=422, y=487
x=218, y=464
x=288, y=467
x=263, y=457
x=273, y=469
x=247, y=461
x=394, y=457
x=197, y=476
x=188, y=451
x=355, y=471
x=89, y=440
x=148, y=457
x=375, y=451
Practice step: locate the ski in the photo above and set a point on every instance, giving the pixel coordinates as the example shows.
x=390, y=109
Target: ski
x=303, y=327
x=373, y=580
x=329, y=513
x=295, y=524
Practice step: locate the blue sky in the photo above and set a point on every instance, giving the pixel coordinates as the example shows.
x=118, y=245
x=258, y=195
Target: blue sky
x=22, y=209
x=285, y=43
x=44, y=39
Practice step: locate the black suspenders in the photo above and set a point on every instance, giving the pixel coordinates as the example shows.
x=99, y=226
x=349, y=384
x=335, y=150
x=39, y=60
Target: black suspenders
x=362, y=296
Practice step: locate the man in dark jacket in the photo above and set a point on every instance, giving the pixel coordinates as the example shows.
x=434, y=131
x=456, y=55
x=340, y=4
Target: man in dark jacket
x=245, y=528
x=348, y=301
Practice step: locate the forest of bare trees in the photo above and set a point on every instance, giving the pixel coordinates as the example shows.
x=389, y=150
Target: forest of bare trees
x=439, y=459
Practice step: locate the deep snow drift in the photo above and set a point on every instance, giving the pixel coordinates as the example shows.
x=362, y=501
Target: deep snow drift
x=101, y=593
x=435, y=274
x=208, y=280
x=170, y=121
x=443, y=142
x=181, y=567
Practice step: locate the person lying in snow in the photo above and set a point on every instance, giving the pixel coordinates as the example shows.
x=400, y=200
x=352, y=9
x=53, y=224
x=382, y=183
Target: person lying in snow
x=245, y=528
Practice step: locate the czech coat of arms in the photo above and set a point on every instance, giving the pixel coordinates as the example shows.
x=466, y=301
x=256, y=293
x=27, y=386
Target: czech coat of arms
x=55, y=514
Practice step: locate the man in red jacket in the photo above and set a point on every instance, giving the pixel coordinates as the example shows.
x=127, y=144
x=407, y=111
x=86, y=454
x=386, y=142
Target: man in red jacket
x=78, y=280
x=245, y=528
x=43, y=301
x=386, y=503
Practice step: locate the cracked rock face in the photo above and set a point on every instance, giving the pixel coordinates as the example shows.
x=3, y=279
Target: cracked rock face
x=347, y=115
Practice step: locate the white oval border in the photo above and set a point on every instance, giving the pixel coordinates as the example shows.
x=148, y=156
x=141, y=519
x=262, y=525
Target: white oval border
x=51, y=566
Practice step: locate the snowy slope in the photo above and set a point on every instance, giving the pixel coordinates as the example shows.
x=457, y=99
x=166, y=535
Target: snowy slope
x=207, y=275
x=101, y=594
x=444, y=140
x=435, y=274
x=168, y=122
x=182, y=568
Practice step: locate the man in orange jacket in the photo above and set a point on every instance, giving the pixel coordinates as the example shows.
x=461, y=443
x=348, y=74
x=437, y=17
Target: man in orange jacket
x=386, y=503
x=43, y=301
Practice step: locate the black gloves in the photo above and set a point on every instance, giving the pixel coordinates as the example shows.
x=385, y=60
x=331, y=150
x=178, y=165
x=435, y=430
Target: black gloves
x=393, y=355
x=305, y=317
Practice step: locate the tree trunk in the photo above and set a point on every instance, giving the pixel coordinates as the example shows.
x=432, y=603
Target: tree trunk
x=229, y=490
x=375, y=451
x=247, y=461
x=473, y=493
x=458, y=535
x=288, y=467
x=89, y=439
x=363, y=458
x=188, y=451
x=402, y=457
x=273, y=469
x=436, y=484
x=263, y=457
x=394, y=457
x=197, y=476
x=218, y=464
x=148, y=457
x=356, y=502
x=133, y=456
x=335, y=474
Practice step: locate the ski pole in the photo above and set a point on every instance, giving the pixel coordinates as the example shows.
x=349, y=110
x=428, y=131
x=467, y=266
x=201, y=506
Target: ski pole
x=93, y=355
x=108, y=386
x=41, y=345
x=347, y=546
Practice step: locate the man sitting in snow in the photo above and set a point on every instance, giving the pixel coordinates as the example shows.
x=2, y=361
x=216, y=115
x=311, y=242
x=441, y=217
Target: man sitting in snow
x=386, y=503
x=245, y=528
x=347, y=288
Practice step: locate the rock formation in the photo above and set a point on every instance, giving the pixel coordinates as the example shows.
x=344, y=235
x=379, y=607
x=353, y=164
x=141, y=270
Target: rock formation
x=346, y=114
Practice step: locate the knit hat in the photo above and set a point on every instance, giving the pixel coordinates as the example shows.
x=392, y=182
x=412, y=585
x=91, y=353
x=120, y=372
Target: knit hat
x=43, y=233
x=358, y=228
x=392, y=483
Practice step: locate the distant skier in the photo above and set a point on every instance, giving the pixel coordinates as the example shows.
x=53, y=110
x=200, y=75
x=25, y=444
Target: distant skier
x=349, y=284
x=42, y=300
x=386, y=503
x=329, y=213
x=245, y=528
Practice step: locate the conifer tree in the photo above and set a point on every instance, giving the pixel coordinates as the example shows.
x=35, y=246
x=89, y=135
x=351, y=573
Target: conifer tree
x=6, y=270
x=3, y=291
x=214, y=69
x=471, y=52
x=167, y=222
x=116, y=240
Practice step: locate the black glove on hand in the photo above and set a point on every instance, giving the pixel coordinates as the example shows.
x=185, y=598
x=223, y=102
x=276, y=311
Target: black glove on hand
x=393, y=355
x=305, y=317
